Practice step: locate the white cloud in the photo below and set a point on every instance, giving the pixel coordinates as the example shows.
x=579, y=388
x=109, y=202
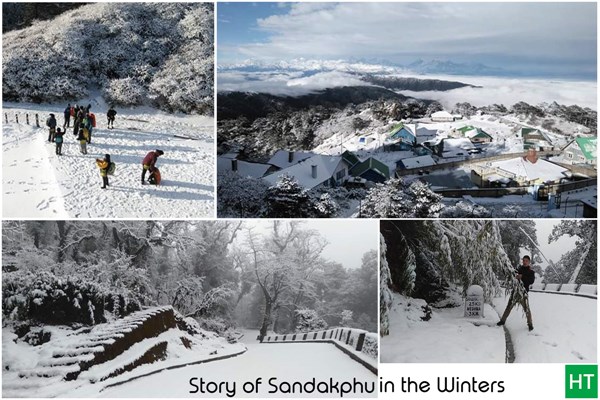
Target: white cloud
x=284, y=83
x=557, y=31
x=509, y=91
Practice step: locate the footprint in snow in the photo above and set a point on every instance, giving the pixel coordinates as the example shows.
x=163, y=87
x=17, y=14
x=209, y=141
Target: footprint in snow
x=550, y=343
x=42, y=205
x=577, y=354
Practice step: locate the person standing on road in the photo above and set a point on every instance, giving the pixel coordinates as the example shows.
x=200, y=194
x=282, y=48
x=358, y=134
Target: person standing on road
x=526, y=277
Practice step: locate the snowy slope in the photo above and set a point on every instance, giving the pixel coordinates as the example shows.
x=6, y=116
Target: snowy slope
x=39, y=184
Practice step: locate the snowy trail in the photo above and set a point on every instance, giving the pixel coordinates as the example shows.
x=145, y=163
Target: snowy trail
x=187, y=189
x=565, y=329
x=30, y=188
x=291, y=362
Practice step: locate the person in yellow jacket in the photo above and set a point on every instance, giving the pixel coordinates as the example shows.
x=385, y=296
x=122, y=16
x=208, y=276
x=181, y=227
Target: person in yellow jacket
x=104, y=165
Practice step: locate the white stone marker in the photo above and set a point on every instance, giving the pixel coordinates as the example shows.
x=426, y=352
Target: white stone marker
x=474, y=302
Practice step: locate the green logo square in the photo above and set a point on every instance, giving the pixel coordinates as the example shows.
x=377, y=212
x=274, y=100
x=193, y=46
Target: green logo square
x=581, y=381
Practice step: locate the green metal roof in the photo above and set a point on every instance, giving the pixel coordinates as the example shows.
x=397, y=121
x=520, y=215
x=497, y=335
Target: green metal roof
x=527, y=131
x=350, y=158
x=396, y=128
x=588, y=147
x=466, y=128
x=368, y=164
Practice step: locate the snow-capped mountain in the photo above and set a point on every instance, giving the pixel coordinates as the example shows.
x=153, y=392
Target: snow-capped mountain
x=452, y=68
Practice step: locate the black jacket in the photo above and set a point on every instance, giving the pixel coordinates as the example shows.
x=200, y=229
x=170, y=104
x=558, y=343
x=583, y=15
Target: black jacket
x=527, y=276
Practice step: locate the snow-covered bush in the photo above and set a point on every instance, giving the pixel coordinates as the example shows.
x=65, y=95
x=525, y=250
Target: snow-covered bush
x=385, y=296
x=309, y=321
x=51, y=299
x=463, y=209
x=370, y=345
x=240, y=196
x=288, y=199
x=137, y=53
x=347, y=316
x=221, y=327
x=396, y=199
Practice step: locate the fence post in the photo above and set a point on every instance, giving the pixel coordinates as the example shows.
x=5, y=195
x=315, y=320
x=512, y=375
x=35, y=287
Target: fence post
x=37, y=120
x=361, y=342
x=27, y=118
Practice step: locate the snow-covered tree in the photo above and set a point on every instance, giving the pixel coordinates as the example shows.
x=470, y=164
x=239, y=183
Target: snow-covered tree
x=309, y=320
x=385, y=296
x=581, y=264
x=347, y=317
x=395, y=199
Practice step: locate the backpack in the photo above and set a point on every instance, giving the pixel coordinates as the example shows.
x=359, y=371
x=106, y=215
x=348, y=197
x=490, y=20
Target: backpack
x=92, y=119
x=111, y=168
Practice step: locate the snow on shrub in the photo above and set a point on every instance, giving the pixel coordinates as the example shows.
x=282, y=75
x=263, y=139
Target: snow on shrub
x=158, y=54
x=370, y=345
x=309, y=321
x=45, y=297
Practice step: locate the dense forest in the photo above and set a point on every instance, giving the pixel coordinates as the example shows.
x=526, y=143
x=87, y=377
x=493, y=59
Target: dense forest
x=225, y=274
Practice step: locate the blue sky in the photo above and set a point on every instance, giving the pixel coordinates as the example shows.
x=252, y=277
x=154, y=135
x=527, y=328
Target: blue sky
x=533, y=39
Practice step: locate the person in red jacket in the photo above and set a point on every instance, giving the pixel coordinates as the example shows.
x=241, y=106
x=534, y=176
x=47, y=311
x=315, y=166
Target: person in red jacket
x=149, y=161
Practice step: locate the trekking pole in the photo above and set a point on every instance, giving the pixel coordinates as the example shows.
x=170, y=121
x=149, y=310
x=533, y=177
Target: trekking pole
x=37, y=120
x=27, y=118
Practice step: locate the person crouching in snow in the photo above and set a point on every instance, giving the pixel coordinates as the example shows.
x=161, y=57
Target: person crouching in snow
x=149, y=161
x=104, y=164
x=82, y=142
x=58, y=139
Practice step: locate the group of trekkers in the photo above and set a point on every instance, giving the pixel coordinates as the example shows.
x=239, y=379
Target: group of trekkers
x=83, y=123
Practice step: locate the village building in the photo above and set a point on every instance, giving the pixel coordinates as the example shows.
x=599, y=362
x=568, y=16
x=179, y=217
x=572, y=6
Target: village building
x=520, y=171
x=415, y=162
x=536, y=139
x=284, y=159
x=582, y=150
x=475, y=135
x=442, y=116
x=230, y=162
x=314, y=172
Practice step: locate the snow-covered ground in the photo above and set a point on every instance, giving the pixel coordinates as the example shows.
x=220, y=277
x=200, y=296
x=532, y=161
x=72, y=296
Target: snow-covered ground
x=446, y=337
x=291, y=362
x=565, y=332
x=39, y=184
x=565, y=329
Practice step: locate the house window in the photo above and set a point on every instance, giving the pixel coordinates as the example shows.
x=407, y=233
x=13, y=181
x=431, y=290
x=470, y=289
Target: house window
x=570, y=155
x=340, y=174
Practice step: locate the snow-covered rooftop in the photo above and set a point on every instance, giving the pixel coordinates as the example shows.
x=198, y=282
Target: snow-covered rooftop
x=244, y=168
x=416, y=162
x=442, y=115
x=540, y=170
x=281, y=158
x=302, y=172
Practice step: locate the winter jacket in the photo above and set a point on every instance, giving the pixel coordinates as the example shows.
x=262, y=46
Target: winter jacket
x=111, y=113
x=150, y=159
x=51, y=122
x=103, y=164
x=527, y=276
x=81, y=136
x=67, y=112
x=58, y=137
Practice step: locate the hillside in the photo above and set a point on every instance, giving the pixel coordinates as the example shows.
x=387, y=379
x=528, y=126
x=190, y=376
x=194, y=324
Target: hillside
x=155, y=54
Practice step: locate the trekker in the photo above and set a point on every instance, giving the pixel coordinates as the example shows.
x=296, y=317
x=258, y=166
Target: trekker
x=51, y=124
x=58, y=139
x=88, y=108
x=149, y=161
x=82, y=142
x=78, y=116
x=104, y=165
x=67, y=114
x=527, y=276
x=86, y=124
x=111, y=118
